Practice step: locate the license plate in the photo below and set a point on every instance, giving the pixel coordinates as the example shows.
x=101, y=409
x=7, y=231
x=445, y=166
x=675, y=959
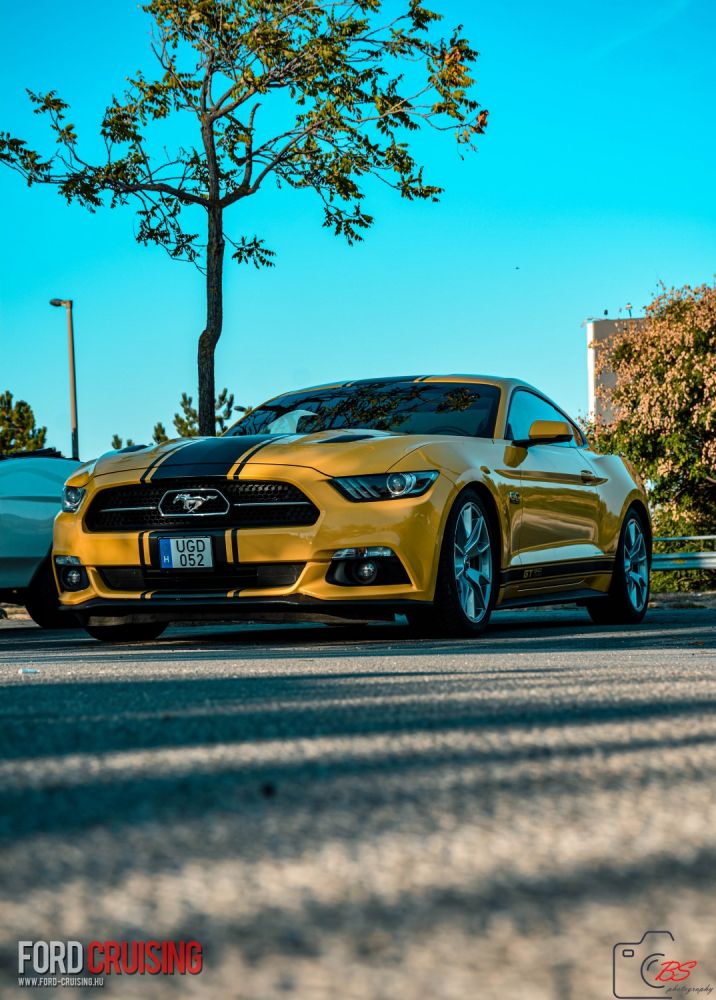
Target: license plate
x=186, y=553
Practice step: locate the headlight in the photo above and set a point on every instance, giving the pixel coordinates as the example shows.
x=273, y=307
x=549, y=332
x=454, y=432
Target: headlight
x=387, y=486
x=72, y=497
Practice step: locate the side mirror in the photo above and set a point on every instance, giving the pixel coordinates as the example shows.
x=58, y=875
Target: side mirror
x=547, y=432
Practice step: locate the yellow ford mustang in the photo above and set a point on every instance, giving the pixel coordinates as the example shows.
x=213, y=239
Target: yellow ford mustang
x=436, y=497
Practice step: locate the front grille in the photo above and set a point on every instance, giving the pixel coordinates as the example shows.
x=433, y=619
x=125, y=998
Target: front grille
x=250, y=576
x=252, y=504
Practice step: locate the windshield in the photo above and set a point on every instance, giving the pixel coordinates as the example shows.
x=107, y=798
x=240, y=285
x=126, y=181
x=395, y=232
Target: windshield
x=465, y=409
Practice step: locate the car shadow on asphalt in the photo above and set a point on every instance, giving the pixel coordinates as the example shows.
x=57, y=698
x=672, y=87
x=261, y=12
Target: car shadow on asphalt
x=507, y=633
x=100, y=716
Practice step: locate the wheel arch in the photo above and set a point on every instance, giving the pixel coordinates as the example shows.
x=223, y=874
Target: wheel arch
x=480, y=487
x=638, y=504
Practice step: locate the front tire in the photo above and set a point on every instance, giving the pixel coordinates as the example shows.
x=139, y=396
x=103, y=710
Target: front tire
x=466, y=587
x=628, y=596
x=130, y=632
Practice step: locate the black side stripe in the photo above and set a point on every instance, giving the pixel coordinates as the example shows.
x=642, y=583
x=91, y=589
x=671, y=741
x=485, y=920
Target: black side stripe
x=577, y=567
x=234, y=545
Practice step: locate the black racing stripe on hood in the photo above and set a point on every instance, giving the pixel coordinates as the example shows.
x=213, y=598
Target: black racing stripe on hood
x=160, y=458
x=267, y=439
x=210, y=456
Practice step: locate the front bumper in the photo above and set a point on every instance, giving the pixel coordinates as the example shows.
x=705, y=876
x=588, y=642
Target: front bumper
x=411, y=528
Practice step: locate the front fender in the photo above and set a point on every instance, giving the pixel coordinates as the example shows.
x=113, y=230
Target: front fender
x=469, y=463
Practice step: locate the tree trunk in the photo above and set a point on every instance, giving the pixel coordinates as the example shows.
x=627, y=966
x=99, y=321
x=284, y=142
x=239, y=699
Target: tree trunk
x=214, y=320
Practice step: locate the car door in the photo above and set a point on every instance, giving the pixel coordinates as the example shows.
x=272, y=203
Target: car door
x=558, y=496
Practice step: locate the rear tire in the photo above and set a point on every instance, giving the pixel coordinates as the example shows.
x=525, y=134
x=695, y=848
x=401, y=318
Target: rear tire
x=43, y=601
x=628, y=596
x=134, y=632
x=466, y=588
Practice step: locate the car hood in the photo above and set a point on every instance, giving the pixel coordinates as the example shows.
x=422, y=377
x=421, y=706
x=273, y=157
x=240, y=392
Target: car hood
x=334, y=453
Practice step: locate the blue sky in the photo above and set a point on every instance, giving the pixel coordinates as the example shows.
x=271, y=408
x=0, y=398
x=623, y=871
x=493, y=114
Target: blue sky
x=594, y=182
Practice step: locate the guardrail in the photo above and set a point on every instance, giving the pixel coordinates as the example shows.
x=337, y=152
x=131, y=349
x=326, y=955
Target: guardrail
x=684, y=560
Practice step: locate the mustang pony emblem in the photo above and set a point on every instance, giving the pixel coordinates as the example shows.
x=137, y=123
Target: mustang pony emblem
x=193, y=501
x=200, y=502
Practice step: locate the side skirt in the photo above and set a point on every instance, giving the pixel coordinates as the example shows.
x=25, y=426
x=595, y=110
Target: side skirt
x=554, y=597
x=538, y=572
x=553, y=583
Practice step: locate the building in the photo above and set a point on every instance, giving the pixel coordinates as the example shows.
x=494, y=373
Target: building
x=599, y=330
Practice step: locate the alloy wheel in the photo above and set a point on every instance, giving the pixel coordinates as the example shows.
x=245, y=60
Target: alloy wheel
x=636, y=564
x=473, y=562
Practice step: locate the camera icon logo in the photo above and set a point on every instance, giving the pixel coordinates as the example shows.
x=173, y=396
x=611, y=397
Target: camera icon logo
x=642, y=969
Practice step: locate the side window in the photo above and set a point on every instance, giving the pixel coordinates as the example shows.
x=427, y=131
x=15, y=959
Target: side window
x=525, y=408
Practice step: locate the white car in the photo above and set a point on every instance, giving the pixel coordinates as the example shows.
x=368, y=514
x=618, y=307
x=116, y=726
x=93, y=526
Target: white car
x=30, y=497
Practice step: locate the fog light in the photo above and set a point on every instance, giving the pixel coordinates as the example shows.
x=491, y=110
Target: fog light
x=71, y=574
x=72, y=577
x=366, y=566
x=366, y=571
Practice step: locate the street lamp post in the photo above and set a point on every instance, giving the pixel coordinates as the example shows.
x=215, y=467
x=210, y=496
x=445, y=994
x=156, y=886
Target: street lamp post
x=67, y=303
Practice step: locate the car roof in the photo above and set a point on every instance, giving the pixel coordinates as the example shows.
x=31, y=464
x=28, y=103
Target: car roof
x=506, y=385
x=497, y=380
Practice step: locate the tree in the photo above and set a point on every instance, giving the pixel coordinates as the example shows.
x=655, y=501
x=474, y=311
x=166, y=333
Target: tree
x=664, y=405
x=186, y=423
x=117, y=442
x=18, y=431
x=340, y=87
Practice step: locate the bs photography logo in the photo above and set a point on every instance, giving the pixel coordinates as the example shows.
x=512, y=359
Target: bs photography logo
x=71, y=963
x=649, y=968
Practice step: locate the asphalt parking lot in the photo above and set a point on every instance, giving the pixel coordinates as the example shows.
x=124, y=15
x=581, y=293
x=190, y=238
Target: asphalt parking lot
x=350, y=813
